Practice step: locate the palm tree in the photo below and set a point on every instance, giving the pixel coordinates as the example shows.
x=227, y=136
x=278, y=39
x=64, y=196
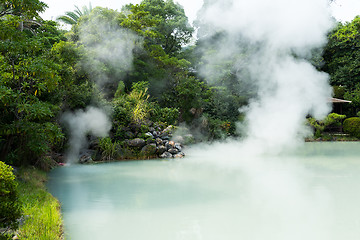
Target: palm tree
x=72, y=17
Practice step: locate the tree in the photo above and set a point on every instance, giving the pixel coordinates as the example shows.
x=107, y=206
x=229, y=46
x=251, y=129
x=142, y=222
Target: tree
x=172, y=27
x=72, y=18
x=29, y=9
x=28, y=76
x=342, y=54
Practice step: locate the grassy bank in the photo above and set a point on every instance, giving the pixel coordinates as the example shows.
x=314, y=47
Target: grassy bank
x=42, y=216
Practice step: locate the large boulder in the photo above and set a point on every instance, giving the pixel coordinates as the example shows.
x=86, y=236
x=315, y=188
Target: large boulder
x=148, y=150
x=137, y=143
x=161, y=149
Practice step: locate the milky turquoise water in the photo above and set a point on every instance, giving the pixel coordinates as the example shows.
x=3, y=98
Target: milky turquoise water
x=313, y=194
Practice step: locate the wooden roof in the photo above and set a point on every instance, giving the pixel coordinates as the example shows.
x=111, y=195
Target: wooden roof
x=337, y=100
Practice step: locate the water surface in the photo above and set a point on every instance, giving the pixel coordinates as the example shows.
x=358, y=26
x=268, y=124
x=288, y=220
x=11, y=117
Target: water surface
x=313, y=194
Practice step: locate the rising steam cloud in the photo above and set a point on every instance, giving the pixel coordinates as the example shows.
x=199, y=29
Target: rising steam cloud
x=91, y=121
x=108, y=57
x=109, y=45
x=268, y=42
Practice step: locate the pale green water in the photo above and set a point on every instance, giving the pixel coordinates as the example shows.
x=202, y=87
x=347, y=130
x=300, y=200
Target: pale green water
x=311, y=195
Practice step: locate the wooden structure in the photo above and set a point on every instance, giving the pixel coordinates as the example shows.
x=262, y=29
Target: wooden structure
x=337, y=104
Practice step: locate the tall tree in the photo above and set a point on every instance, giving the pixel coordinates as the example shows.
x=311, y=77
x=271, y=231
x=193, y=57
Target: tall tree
x=342, y=54
x=72, y=17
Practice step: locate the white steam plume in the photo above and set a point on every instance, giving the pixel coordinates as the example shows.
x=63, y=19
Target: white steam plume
x=107, y=46
x=108, y=57
x=264, y=37
x=81, y=123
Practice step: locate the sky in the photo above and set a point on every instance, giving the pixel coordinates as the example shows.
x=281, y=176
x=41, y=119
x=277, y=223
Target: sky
x=342, y=10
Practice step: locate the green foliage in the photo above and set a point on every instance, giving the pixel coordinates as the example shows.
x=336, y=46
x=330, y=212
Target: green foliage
x=133, y=106
x=10, y=207
x=333, y=119
x=109, y=150
x=166, y=115
x=29, y=79
x=339, y=92
x=352, y=126
x=72, y=18
x=27, y=8
x=42, y=210
x=170, y=26
x=354, y=97
x=342, y=59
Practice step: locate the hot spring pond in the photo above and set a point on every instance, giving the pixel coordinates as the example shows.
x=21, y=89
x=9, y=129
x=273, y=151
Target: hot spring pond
x=313, y=194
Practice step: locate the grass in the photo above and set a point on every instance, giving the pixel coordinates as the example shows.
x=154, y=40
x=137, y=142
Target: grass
x=40, y=209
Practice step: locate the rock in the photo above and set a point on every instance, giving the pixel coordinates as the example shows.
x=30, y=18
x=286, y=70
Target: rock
x=172, y=143
x=150, y=141
x=168, y=130
x=166, y=155
x=179, y=155
x=149, y=135
x=178, y=146
x=159, y=141
x=85, y=158
x=137, y=142
x=148, y=150
x=164, y=136
x=161, y=149
x=173, y=151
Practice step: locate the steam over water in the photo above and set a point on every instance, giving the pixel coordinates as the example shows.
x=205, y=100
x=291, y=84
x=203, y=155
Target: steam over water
x=269, y=186
x=268, y=42
x=312, y=194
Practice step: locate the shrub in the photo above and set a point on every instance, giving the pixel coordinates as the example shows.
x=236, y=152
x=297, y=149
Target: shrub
x=109, y=150
x=165, y=115
x=352, y=126
x=333, y=119
x=10, y=208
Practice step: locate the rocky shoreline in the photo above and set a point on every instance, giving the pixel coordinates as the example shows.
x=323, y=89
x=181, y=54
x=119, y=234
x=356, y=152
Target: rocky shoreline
x=155, y=142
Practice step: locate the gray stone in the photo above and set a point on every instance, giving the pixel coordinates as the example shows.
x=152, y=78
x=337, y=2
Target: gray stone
x=137, y=142
x=178, y=146
x=173, y=151
x=85, y=158
x=164, y=136
x=148, y=150
x=166, y=155
x=159, y=141
x=149, y=135
x=161, y=149
x=179, y=155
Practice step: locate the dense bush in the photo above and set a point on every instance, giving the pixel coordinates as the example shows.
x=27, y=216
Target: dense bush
x=352, y=126
x=10, y=208
x=333, y=119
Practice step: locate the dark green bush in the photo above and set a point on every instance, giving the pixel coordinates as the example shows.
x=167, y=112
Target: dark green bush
x=352, y=126
x=10, y=208
x=164, y=114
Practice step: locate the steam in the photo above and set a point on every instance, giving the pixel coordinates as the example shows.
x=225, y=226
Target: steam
x=108, y=57
x=268, y=41
x=92, y=121
x=109, y=50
